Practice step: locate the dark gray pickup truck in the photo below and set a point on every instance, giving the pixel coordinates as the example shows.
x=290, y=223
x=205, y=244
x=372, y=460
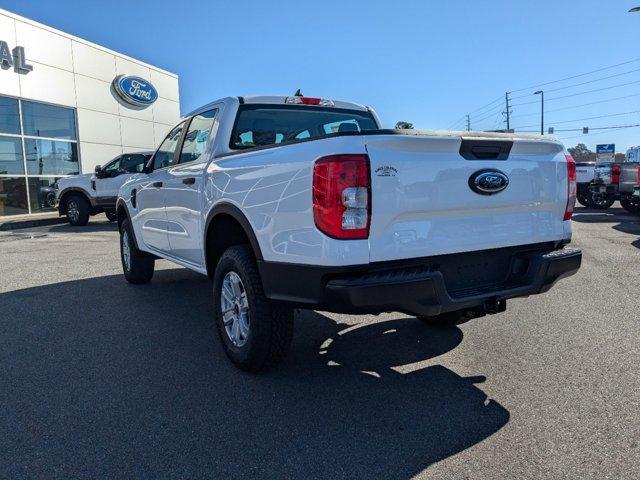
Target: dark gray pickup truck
x=617, y=181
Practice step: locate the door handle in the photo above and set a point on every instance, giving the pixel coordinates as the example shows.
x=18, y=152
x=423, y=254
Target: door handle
x=156, y=184
x=189, y=181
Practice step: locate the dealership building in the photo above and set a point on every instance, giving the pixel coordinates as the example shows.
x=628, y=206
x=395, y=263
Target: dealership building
x=67, y=105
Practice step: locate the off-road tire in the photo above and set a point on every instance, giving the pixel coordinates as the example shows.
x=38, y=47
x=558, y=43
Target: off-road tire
x=142, y=264
x=601, y=204
x=631, y=205
x=80, y=208
x=584, y=199
x=270, y=324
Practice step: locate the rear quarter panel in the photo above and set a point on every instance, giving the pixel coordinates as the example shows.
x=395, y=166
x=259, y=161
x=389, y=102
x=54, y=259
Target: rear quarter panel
x=272, y=187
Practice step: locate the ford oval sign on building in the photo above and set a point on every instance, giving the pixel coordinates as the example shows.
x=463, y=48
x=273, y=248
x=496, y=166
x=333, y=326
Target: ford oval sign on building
x=135, y=90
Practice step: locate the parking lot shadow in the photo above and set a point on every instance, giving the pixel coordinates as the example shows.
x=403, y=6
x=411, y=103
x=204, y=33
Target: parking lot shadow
x=93, y=226
x=621, y=220
x=101, y=379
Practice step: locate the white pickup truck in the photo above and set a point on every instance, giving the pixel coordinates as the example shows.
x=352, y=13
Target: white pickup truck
x=299, y=202
x=80, y=196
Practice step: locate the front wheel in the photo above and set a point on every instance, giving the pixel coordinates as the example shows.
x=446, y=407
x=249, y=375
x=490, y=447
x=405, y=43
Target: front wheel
x=138, y=266
x=631, y=204
x=584, y=199
x=255, y=332
x=601, y=203
x=78, y=211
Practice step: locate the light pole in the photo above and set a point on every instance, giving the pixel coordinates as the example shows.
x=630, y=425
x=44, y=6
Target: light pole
x=541, y=93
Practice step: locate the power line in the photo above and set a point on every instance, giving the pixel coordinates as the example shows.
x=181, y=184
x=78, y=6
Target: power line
x=582, y=119
x=576, y=76
x=594, y=134
x=582, y=83
x=581, y=93
x=613, y=127
x=487, y=115
x=571, y=107
x=499, y=99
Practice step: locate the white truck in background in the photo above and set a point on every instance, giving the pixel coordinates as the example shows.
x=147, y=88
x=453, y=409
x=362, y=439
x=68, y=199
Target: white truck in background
x=300, y=202
x=81, y=196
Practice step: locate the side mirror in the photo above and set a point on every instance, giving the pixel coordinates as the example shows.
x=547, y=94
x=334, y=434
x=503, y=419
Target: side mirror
x=98, y=171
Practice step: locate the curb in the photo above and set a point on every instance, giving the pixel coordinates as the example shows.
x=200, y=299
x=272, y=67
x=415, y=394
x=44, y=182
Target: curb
x=30, y=223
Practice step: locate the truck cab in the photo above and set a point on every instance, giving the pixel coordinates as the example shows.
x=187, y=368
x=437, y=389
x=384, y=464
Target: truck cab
x=81, y=196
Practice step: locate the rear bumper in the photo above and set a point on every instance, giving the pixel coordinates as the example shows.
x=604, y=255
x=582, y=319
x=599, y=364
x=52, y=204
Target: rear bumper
x=420, y=287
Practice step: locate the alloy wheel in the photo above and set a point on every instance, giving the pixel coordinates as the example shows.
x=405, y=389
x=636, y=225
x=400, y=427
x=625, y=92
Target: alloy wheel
x=235, y=309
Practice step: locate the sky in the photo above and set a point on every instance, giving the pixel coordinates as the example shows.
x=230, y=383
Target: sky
x=426, y=62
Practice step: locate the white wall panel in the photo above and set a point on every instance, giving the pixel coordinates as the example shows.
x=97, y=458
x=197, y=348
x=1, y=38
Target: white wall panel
x=9, y=79
x=166, y=111
x=137, y=133
x=166, y=85
x=95, y=95
x=131, y=111
x=43, y=46
x=48, y=84
x=93, y=62
x=92, y=154
x=98, y=127
x=127, y=67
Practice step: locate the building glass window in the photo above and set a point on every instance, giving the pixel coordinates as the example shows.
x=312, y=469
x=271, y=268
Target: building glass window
x=50, y=157
x=42, y=195
x=41, y=120
x=38, y=145
x=11, y=156
x=13, y=196
x=9, y=116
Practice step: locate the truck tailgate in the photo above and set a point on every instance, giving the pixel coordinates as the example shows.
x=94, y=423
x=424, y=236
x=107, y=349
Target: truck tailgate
x=423, y=204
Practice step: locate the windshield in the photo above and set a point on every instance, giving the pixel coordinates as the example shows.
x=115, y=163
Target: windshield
x=261, y=125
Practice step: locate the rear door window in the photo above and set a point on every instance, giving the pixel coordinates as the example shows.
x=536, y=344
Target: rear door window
x=262, y=125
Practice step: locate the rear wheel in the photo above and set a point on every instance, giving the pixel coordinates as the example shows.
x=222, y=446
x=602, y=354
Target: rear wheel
x=631, y=204
x=137, y=265
x=255, y=332
x=78, y=210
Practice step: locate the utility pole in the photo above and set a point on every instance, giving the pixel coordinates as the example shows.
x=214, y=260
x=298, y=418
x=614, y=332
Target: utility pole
x=507, y=111
x=541, y=93
x=468, y=123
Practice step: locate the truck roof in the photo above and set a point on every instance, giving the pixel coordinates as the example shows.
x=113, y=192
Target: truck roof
x=274, y=100
x=281, y=99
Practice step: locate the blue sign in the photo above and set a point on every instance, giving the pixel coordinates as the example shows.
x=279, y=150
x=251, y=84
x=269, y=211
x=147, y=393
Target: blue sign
x=606, y=148
x=135, y=90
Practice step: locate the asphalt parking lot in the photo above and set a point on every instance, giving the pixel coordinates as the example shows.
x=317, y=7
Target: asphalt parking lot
x=101, y=379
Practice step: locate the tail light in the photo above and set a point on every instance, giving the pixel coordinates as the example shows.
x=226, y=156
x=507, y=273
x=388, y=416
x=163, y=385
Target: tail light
x=342, y=196
x=638, y=182
x=572, y=187
x=615, y=173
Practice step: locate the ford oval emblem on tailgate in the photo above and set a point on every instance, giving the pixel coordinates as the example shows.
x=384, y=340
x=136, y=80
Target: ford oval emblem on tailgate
x=488, y=182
